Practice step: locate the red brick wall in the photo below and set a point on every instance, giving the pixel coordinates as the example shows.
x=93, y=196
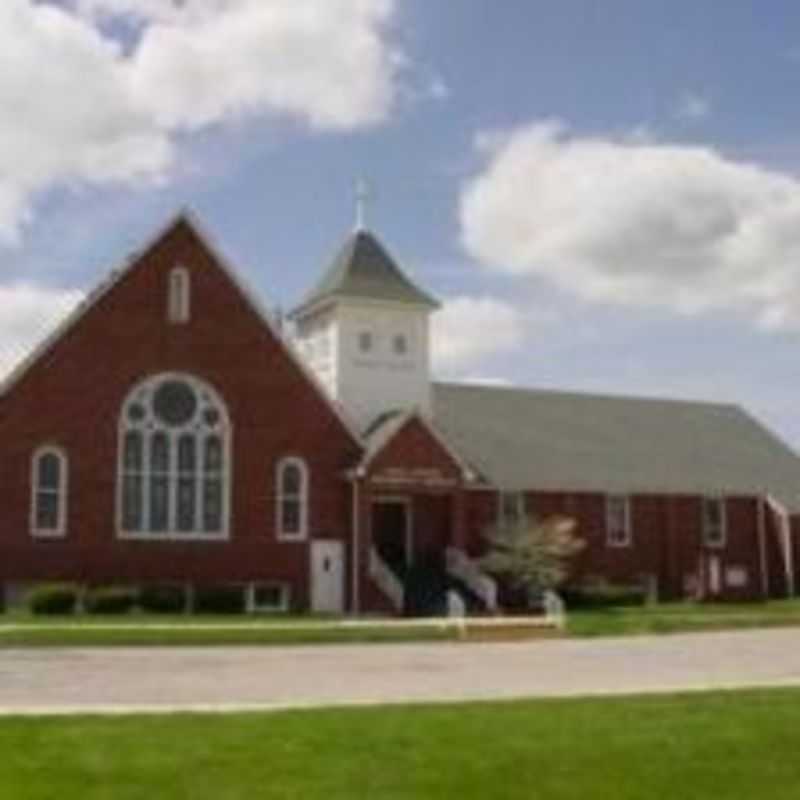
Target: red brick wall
x=667, y=539
x=72, y=398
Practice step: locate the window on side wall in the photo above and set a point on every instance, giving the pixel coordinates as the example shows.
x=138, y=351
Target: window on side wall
x=49, y=493
x=511, y=508
x=618, y=521
x=292, y=507
x=714, y=523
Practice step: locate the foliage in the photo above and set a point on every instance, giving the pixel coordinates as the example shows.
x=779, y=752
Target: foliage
x=163, y=598
x=110, y=600
x=534, y=556
x=54, y=598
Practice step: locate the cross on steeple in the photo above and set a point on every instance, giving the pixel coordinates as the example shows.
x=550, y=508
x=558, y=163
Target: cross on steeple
x=362, y=197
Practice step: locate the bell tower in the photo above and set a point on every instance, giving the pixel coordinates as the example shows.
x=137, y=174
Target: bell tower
x=364, y=331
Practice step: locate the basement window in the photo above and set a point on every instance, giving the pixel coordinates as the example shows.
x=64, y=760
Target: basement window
x=268, y=597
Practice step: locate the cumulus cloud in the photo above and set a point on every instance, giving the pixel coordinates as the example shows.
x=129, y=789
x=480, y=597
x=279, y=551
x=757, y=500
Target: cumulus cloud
x=28, y=314
x=637, y=223
x=468, y=330
x=83, y=107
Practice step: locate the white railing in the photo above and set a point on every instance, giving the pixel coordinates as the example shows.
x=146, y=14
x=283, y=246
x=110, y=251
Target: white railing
x=784, y=524
x=554, y=609
x=462, y=567
x=386, y=579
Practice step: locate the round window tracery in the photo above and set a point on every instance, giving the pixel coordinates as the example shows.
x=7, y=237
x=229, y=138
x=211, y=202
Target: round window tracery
x=174, y=403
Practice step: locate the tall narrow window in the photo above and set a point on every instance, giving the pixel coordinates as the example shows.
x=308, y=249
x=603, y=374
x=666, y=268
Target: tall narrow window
x=714, y=523
x=174, y=460
x=292, y=506
x=49, y=493
x=511, y=508
x=179, y=296
x=618, y=521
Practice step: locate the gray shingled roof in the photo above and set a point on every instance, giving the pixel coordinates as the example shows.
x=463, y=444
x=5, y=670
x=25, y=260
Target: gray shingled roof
x=523, y=438
x=364, y=269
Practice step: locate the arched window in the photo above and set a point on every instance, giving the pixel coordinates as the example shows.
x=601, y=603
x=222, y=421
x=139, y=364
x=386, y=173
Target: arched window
x=179, y=295
x=49, y=492
x=292, y=506
x=174, y=460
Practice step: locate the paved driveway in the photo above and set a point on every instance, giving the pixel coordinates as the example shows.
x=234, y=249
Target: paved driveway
x=114, y=680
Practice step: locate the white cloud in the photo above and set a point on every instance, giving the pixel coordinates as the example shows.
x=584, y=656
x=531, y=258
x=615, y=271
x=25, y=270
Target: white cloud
x=693, y=107
x=638, y=223
x=28, y=314
x=468, y=330
x=97, y=110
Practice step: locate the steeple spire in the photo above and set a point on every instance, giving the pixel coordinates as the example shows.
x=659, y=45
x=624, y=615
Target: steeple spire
x=362, y=197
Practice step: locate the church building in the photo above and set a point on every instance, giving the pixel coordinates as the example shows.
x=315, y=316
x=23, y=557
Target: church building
x=171, y=432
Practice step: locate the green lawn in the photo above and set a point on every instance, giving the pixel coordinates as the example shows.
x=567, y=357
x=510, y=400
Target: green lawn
x=678, y=617
x=20, y=629
x=741, y=746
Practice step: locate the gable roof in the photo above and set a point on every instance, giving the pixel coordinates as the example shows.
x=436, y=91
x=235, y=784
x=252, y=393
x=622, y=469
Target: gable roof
x=363, y=269
x=188, y=218
x=383, y=430
x=549, y=440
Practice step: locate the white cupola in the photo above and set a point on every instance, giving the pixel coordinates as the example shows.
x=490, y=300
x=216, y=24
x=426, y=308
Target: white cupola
x=364, y=331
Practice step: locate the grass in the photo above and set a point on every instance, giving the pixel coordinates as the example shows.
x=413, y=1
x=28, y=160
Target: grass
x=719, y=745
x=20, y=629
x=682, y=617
x=159, y=630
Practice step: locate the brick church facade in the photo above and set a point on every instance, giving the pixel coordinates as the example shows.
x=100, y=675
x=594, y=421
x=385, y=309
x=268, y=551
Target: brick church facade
x=171, y=432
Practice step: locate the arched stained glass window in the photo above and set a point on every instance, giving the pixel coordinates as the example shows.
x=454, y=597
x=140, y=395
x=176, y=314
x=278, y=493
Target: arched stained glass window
x=174, y=462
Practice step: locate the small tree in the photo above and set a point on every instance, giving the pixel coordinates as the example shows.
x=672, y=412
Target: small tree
x=533, y=555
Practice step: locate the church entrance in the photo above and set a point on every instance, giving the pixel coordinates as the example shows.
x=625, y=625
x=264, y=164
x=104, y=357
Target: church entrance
x=392, y=533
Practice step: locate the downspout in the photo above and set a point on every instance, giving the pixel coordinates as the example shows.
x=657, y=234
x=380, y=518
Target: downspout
x=762, y=548
x=790, y=588
x=355, y=607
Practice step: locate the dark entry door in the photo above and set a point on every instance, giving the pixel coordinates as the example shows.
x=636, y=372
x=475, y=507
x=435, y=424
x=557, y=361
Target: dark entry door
x=390, y=535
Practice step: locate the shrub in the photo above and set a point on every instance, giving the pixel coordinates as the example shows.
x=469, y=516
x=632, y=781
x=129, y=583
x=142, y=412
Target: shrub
x=163, y=599
x=219, y=600
x=109, y=600
x=54, y=599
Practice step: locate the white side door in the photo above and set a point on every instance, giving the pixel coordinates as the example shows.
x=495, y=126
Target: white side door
x=327, y=576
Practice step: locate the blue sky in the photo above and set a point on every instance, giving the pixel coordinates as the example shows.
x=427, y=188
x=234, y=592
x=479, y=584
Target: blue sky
x=603, y=194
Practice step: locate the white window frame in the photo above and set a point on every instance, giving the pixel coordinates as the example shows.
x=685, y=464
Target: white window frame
x=626, y=540
x=281, y=608
x=225, y=434
x=716, y=543
x=302, y=498
x=61, y=492
x=179, y=296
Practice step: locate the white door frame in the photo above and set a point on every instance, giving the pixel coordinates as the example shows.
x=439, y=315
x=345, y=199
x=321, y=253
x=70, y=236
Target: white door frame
x=323, y=602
